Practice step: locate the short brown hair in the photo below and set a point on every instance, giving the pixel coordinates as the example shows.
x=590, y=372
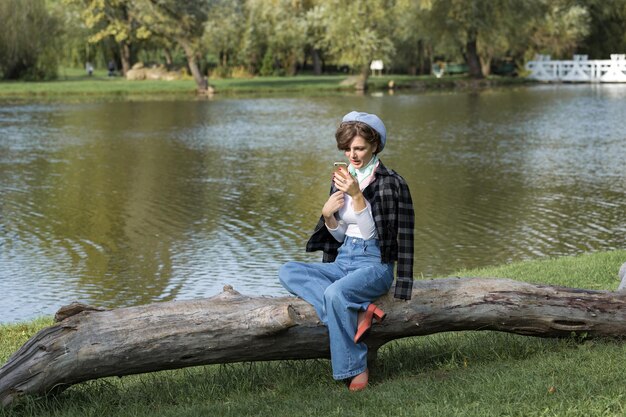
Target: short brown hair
x=347, y=131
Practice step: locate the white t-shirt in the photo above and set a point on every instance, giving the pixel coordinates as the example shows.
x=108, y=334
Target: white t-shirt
x=355, y=224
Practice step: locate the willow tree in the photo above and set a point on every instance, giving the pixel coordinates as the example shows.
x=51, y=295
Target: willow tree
x=460, y=22
x=412, y=39
x=487, y=29
x=275, y=35
x=223, y=33
x=358, y=32
x=561, y=30
x=316, y=30
x=28, y=34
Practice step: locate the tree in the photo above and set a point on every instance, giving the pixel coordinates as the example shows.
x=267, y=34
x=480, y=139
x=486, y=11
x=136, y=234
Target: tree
x=606, y=28
x=483, y=30
x=562, y=28
x=276, y=35
x=460, y=22
x=223, y=33
x=288, y=38
x=182, y=22
x=111, y=19
x=473, y=22
x=358, y=32
x=507, y=29
x=27, y=40
x=412, y=40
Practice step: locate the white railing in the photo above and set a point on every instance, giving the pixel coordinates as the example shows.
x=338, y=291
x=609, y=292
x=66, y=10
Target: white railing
x=580, y=69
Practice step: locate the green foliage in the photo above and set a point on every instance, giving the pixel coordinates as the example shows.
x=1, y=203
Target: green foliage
x=27, y=40
x=267, y=65
x=278, y=37
x=358, y=31
x=180, y=23
x=606, y=28
x=562, y=28
x=107, y=22
x=223, y=34
x=508, y=28
x=106, y=18
x=275, y=36
x=496, y=27
x=411, y=37
x=173, y=19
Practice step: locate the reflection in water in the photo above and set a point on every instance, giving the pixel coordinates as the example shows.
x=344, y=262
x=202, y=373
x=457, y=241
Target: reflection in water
x=133, y=202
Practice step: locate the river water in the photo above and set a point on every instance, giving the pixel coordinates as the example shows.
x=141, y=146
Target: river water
x=118, y=203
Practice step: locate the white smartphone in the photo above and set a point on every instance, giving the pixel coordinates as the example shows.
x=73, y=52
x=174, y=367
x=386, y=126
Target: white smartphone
x=338, y=165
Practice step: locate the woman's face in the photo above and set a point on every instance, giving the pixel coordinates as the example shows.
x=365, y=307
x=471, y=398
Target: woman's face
x=360, y=152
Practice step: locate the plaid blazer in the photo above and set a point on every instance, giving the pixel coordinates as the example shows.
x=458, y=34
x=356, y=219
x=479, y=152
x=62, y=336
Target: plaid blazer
x=392, y=209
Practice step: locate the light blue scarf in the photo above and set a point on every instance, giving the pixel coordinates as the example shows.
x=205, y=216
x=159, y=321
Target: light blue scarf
x=364, y=172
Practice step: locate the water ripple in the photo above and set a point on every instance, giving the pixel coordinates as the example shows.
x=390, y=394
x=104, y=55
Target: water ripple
x=175, y=200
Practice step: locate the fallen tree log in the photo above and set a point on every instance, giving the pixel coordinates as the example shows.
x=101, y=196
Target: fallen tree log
x=88, y=343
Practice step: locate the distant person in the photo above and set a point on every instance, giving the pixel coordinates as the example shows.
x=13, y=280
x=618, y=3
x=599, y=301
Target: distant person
x=89, y=69
x=111, y=67
x=366, y=226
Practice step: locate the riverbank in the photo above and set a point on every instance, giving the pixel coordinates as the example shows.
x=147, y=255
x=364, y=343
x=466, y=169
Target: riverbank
x=458, y=373
x=74, y=83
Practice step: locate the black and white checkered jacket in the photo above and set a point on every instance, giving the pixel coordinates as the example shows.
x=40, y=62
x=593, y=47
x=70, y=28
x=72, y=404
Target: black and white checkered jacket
x=392, y=209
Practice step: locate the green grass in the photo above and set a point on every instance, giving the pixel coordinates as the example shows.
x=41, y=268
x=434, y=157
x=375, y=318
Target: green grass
x=450, y=374
x=596, y=271
x=74, y=83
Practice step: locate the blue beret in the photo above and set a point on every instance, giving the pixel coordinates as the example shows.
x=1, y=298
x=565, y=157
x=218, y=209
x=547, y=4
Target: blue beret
x=372, y=121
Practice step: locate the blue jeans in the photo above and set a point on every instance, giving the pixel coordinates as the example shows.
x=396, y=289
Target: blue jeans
x=338, y=291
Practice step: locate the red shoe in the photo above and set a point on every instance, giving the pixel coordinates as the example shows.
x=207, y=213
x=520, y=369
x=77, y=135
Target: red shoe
x=359, y=382
x=365, y=325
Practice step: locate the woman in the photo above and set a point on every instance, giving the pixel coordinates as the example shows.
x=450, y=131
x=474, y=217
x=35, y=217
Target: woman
x=366, y=226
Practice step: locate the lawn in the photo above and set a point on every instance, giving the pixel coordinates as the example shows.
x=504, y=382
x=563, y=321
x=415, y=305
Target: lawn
x=75, y=83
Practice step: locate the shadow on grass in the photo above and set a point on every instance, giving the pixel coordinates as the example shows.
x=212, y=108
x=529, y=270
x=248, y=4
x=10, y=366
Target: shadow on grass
x=444, y=352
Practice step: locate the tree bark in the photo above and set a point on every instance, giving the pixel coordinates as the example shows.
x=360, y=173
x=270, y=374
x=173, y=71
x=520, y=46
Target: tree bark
x=201, y=81
x=419, y=68
x=361, y=82
x=88, y=343
x=169, y=60
x=125, y=57
x=317, y=62
x=485, y=65
x=471, y=49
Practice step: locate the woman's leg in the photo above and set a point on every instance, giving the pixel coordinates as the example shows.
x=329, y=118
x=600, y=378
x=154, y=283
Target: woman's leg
x=343, y=299
x=309, y=282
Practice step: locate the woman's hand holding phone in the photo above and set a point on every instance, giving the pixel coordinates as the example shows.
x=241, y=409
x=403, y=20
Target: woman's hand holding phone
x=346, y=182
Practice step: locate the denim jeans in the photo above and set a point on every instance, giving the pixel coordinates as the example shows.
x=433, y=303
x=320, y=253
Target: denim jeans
x=338, y=291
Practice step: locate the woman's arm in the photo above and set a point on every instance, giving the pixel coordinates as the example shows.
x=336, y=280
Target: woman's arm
x=365, y=222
